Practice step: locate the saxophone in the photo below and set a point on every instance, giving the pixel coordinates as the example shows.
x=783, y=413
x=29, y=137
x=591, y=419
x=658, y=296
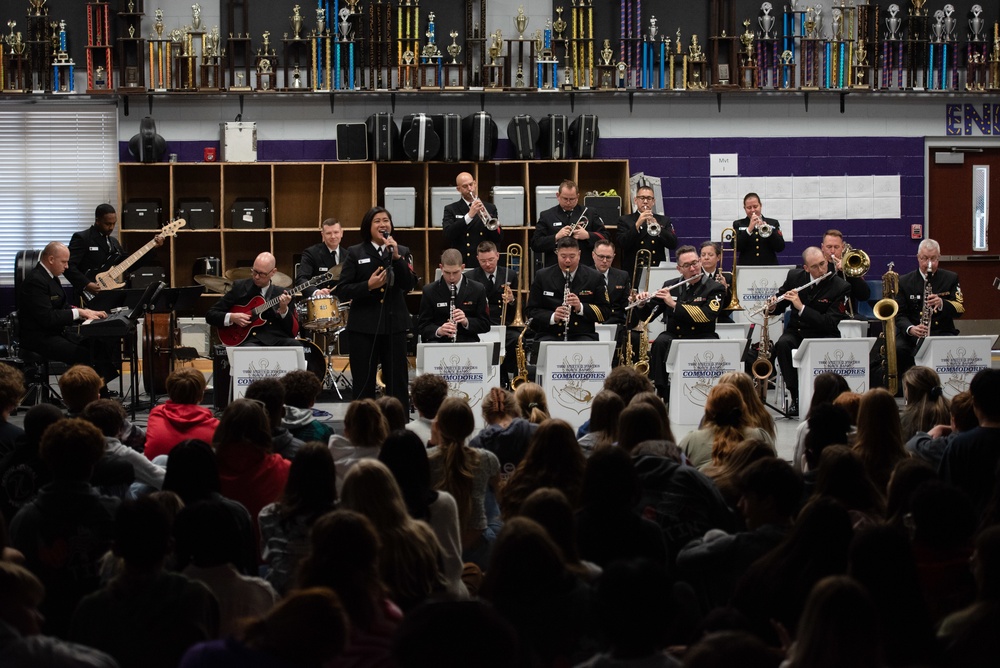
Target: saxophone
x=522, y=360
x=762, y=368
x=885, y=310
x=642, y=366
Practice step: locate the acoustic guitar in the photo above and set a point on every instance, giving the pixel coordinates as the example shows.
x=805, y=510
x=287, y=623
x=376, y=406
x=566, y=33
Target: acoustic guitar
x=114, y=278
x=234, y=335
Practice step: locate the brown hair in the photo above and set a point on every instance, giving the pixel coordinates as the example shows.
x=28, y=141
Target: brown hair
x=635, y=425
x=651, y=398
x=554, y=459
x=879, y=440
x=757, y=415
x=80, y=385
x=963, y=413
x=186, y=385
x=71, y=448
x=455, y=423
x=925, y=402
x=11, y=387
x=604, y=412
x=301, y=388
x=393, y=411
x=243, y=421
x=726, y=412
x=499, y=403
x=486, y=247
x=533, y=402
x=850, y=402
x=308, y=628
x=364, y=424
x=626, y=382
x=428, y=391
x=105, y=414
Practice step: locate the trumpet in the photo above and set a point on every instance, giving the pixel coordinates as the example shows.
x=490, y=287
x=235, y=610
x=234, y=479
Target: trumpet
x=764, y=229
x=767, y=304
x=581, y=222
x=671, y=288
x=489, y=222
x=653, y=227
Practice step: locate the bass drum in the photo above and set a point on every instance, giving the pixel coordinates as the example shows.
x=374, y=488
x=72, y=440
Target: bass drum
x=159, y=338
x=315, y=359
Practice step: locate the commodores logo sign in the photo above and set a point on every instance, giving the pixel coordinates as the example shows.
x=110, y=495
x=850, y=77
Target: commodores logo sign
x=701, y=375
x=956, y=368
x=260, y=369
x=839, y=362
x=572, y=376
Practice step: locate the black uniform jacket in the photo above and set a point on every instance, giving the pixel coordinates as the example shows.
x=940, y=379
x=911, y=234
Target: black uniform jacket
x=696, y=311
x=275, y=329
x=547, y=295
x=316, y=260
x=552, y=220
x=90, y=253
x=754, y=250
x=494, y=292
x=42, y=307
x=467, y=237
x=382, y=310
x=825, y=305
x=619, y=288
x=910, y=299
x=434, y=311
x=631, y=240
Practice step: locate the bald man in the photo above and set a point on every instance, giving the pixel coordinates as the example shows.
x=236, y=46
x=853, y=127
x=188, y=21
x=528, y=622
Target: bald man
x=44, y=316
x=279, y=326
x=463, y=223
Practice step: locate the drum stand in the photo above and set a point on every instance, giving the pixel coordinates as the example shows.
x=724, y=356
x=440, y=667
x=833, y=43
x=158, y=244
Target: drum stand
x=335, y=378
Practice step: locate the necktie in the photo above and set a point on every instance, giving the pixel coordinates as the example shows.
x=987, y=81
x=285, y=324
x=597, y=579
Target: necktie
x=493, y=280
x=606, y=283
x=335, y=259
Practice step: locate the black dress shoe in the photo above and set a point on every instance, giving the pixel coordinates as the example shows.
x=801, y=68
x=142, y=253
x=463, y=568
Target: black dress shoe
x=793, y=409
x=109, y=394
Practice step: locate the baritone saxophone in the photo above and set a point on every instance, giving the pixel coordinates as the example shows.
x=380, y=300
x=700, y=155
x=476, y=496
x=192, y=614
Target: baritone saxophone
x=886, y=310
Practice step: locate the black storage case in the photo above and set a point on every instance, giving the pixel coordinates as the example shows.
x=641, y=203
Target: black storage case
x=420, y=141
x=250, y=213
x=583, y=135
x=449, y=130
x=522, y=131
x=480, y=135
x=383, y=138
x=221, y=378
x=146, y=214
x=198, y=212
x=143, y=277
x=554, y=136
x=352, y=142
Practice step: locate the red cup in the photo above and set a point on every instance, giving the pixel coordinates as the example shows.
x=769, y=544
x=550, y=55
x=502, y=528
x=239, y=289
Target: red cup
x=209, y=155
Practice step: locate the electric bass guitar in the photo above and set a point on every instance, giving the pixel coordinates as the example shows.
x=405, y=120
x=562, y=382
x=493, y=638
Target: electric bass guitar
x=234, y=335
x=114, y=278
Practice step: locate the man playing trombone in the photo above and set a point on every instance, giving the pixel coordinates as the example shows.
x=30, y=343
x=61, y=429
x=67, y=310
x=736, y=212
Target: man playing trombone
x=819, y=302
x=833, y=249
x=758, y=239
x=568, y=219
x=467, y=222
x=690, y=303
x=636, y=230
x=501, y=288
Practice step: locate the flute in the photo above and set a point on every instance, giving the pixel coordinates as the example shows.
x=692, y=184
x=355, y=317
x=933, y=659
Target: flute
x=760, y=309
x=671, y=288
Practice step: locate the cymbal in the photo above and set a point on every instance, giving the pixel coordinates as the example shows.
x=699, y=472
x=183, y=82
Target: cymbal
x=335, y=271
x=279, y=279
x=214, y=283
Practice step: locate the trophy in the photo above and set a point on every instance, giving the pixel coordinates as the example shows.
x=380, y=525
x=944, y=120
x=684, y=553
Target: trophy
x=559, y=25
x=765, y=21
x=606, y=53
x=297, y=78
x=950, y=23
x=976, y=23
x=37, y=6
x=320, y=20
x=653, y=30
x=267, y=43
x=894, y=23
x=520, y=22
x=747, y=40
x=196, y=17
x=158, y=26
x=938, y=26
x=495, y=46
x=819, y=20
x=131, y=6
x=838, y=24
x=345, y=24
x=296, y=20
x=454, y=49
x=810, y=23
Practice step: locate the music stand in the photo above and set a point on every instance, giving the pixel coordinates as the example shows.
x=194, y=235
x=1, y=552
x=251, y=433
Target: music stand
x=107, y=300
x=168, y=300
x=138, y=300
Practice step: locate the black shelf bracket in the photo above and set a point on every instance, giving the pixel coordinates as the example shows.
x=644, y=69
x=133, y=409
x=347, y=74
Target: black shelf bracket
x=331, y=102
x=125, y=105
x=482, y=102
x=843, y=99
x=805, y=98
x=631, y=101
x=392, y=102
x=149, y=99
x=718, y=101
x=572, y=102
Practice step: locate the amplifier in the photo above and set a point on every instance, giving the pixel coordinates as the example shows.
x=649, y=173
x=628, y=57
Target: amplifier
x=249, y=213
x=199, y=213
x=221, y=380
x=142, y=214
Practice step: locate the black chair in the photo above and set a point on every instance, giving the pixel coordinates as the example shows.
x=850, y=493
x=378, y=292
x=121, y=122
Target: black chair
x=37, y=369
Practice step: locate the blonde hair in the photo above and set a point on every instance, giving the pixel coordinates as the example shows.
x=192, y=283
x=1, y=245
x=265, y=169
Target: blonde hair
x=533, y=402
x=757, y=415
x=80, y=385
x=498, y=404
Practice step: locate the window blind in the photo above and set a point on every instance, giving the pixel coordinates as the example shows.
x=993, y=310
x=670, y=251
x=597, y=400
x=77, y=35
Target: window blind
x=56, y=166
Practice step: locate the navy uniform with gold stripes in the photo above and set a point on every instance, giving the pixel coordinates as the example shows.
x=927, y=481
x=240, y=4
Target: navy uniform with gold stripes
x=910, y=299
x=547, y=295
x=693, y=317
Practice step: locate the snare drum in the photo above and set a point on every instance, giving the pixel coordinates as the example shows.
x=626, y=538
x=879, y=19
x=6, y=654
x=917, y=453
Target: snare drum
x=321, y=313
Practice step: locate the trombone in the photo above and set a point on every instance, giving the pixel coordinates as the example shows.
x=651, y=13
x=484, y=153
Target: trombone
x=643, y=260
x=514, y=251
x=734, y=299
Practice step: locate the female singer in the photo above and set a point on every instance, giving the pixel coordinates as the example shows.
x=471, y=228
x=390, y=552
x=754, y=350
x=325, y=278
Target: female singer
x=377, y=275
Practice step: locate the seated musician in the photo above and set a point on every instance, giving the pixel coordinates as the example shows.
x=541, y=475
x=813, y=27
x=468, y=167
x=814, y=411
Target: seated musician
x=617, y=281
x=833, y=249
x=816, y=312
x=711, y=264
x=321, y=258
x=551, y=305
x=454, y=308
x=45, y=315
x=501, y=288
x=233, y=310
x=690, y=311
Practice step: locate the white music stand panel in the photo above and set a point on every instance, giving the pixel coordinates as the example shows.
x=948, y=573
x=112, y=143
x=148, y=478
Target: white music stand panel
x=605, y=332
x=572, y=373
x=695, y=366
x=467, y=368
x=956, y=359
x=847, y=357
x=250, y=363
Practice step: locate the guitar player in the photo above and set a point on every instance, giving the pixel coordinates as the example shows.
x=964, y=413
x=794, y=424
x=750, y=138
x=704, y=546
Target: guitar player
x=279, y=326
x=94, y=250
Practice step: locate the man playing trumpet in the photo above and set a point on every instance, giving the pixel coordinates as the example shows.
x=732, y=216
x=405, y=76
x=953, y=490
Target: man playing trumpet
x=564, y=221
x=758, y=239
x=635, y=231
x=464, y=221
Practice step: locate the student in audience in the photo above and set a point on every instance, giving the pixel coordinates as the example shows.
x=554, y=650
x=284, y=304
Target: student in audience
x=656, y=401
x=108, y=416
x=22, y=473
x=639, y=422
x=146, y=616
x=725, y=649
x=728, y=476
x=182, y=417
x=970, y=635
x=930, y=445
x=468, y=474
x=827, y=386
x=506, y=434
x=11, y=392
x=926, y=404
x=249, y=471
x=554, y=459
x=67, y=518
x=533, y=402
x=271, y=393
x=406, y=457
x=81, y=384
x=21, y=641
x=549, y=507
x=302, y=388
x=851, y=403
x=343, y=556
x=828, y=425
x=842, y=476
x=908, y=474
x=392, y=409
x=725, y=424
x=839, y=627
x=310, y=492
x=206, y=535
x=309, y=628
x=193, y=474
x=757, y=415
x=878, y=440
x=427, y=393
x=971, y=460
x=626, y=382
x=603, y=431
x=608, y=527
x=365, y=428
x=456, y=634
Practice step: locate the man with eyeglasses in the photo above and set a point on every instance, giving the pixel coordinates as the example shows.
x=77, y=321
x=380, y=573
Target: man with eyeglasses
x=633, y=231
x=816, y=313
x=279, y=324
x=946, y=304
x=585, y=303
x=563, y=222
x=690, y=311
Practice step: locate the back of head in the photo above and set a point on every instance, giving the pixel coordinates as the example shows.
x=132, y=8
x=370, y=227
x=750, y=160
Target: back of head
x=610, y=481
x=455, y=634
x=985, y=389
x=192, y=471
x=207, y=535
x=635, y=606
x=79, y=385
x=842, y=476
x=943, y=516
x=243, y=422
x=926, y=405
x=604, y=411
x=364, y=423
x=428, y=391
x=455, y=421
x=828, y=425
x=879, y=430
x=776, y=479
x=654, y=400
x=142, y=533
x=301, y=388
x=19, y=589
x=907, y=475
x=393, y=411
x=105, y=414
x=308, y=628
x=370, y=489
x=727, y=413
x=757, y=415
x=839, y=627
x=272, y=393
x=726, y=649
x=827, y=386
x=37, y=420
x=553, y=449
x=312, y=481
x=71, y=448
x=626, y=382
x=963, y=412
x=186, y=385
x=919, y=382
x=406, y=457
x=851, y=403
x=11, y=387
x=821, y=535
x=533, y=402
x=524, y=564
x=549, y=507
x=635, y=425
x=499, y=404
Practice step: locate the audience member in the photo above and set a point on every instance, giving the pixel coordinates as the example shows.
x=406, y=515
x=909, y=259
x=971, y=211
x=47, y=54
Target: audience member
x=343, y=556
x=878, y=440
x=468, y=474
x=842, y=476
x=608, y=528
x=271, y=393
x=22, y=644
x=725, y=424
x=109, y=416
x=533, y=402
x=81, y=384
x=639, y=422
x=728, y=475
x=549, y=507
x=926, y=404
x=410, y=556
x=310, y=492
x=726, y=649
x=147, y=616
x=554, y=459
x=365, y=428
x=22, y=472
x=406, y=457
x=839, y=627
x=603, y=431
x=392, y=409
x=654, y=400
x=828, y=425
x=850, y=402
x=930, y=445
x=970, y=635
x=757, y=415
x=11, y=392
x=181, y=417
x=456, y=634
x=626, y=382
x=970, y=462
x=427, y=393
x=209, y=541
x=506, y=434
x=67, y=528
x=302, y=388
x=309, y=628
x=827, y=386
x=908, y=474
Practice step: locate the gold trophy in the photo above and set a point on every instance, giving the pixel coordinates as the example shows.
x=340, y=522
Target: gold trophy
x=521, y=22
x=296, y=21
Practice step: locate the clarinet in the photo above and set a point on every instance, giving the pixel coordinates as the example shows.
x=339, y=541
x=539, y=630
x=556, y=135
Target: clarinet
x=451, y=312
x=566, y=304
x=927, y=313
